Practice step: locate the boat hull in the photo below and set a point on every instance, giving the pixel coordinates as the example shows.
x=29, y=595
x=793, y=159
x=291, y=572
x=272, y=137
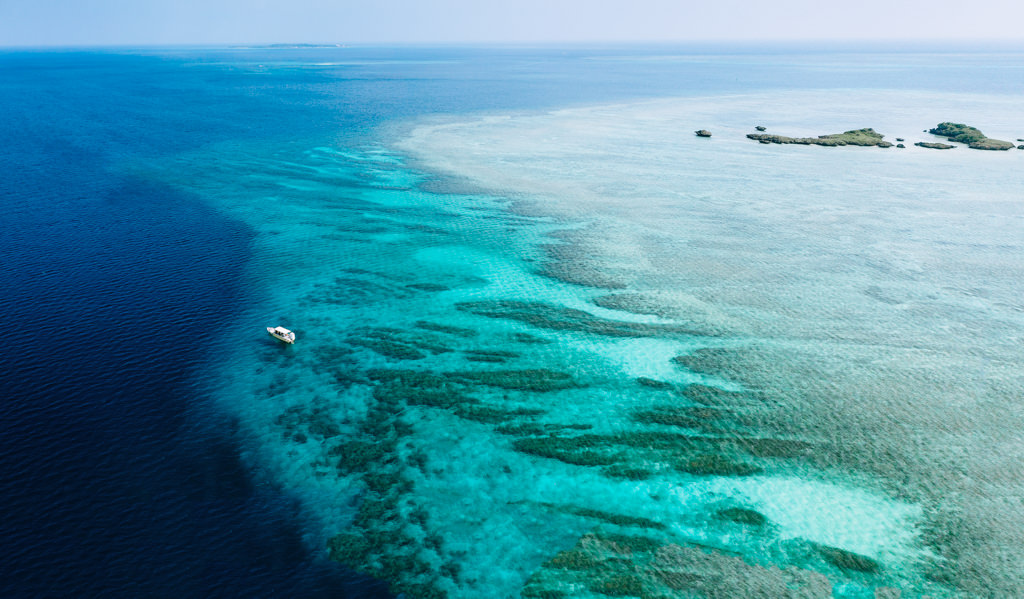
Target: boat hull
x=288, y=337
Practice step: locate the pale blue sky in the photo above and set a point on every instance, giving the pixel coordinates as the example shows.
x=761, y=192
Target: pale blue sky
x=162, y=22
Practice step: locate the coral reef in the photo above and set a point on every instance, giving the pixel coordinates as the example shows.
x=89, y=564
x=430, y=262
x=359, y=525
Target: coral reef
x=623, y=565
x=379, y=542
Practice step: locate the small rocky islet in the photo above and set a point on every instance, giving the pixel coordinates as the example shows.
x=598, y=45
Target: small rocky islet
x=956, y=132
x=971, y=136
x=856, y=137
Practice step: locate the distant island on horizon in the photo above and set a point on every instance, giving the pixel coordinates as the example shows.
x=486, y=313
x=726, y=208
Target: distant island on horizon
x=285, y=46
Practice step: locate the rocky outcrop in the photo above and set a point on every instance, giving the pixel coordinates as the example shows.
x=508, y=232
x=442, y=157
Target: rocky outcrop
x=856, y=137
x=760, y=127
x=703, y=133
x=991, y=144
x=934, y=145
x=969, y=135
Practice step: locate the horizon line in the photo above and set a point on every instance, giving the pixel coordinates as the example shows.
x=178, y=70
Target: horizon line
x=891, y=44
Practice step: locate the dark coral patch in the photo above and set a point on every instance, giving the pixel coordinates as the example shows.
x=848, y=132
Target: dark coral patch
x=446, y=329
x=848, y=560
x=559, y=318
x=565, y=449
x=492, y=356
x=538, y=379
x=742, y=516
x=626, y=472
x=716, y=465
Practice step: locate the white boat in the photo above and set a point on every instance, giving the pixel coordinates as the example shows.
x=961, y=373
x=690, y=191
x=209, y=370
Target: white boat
x=282, y=333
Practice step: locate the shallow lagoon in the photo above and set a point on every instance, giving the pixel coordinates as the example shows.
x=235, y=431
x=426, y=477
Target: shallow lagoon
x=869, y=296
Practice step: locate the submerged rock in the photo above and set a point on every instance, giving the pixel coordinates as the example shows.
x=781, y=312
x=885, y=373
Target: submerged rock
x=742, y=516
x=848, y=560
x=609, y=517
x=934, y=145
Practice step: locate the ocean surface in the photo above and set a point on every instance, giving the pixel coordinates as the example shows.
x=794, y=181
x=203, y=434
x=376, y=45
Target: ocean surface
x=550, y=343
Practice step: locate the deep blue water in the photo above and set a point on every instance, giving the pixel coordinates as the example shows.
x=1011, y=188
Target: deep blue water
x=116, y=477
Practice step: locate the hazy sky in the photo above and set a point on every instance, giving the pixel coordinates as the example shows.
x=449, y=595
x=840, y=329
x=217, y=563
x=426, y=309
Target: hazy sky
x=161, y=22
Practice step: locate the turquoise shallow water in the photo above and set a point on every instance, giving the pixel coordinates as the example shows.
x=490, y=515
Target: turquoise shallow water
x=579, y=352
x=867, y=301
